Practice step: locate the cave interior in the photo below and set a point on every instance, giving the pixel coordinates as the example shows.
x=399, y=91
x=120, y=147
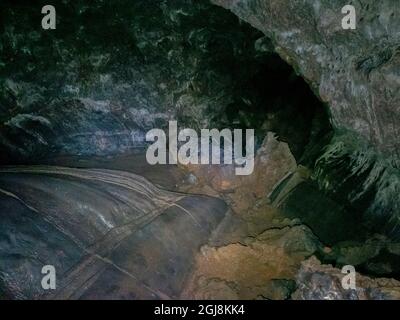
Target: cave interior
x=76, y=191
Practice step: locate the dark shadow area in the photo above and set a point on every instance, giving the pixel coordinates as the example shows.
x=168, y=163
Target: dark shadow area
x=109, y=73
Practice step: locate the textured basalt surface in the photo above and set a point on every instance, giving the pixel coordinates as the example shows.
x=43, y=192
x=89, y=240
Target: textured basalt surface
x=107, y=74
x=355, y=72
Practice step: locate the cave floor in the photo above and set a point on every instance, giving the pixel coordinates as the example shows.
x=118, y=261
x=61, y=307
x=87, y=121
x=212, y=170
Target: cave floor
x=218, y=250
x=233, y=263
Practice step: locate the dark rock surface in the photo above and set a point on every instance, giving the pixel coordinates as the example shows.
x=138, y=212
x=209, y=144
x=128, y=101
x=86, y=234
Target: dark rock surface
x=355, y=72
x=84, y=96
x=354, y=175
x=323, y=282
x=109, y=234
x=110, y=72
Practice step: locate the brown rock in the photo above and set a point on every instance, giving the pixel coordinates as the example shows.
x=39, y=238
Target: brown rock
x=247, y=269
x=272, y=162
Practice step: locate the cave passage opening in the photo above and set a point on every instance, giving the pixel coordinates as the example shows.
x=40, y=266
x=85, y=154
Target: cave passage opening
x=93, y=87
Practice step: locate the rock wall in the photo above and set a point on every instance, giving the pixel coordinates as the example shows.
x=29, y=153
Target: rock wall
x=323, y=282
x=357, y=72
x=109, y=73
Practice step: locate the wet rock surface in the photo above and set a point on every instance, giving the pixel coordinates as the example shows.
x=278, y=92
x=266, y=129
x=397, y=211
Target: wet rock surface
x=109, y=234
